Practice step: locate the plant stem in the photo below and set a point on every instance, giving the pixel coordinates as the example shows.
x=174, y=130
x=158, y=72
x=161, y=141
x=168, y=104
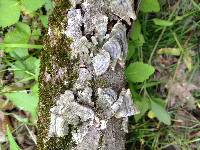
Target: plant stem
x=2, y=45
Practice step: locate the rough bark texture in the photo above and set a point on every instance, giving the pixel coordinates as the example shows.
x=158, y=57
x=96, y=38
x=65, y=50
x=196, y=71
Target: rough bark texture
x=84, y=104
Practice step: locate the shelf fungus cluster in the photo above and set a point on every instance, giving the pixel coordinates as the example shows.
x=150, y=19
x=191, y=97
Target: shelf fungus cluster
x=98, y=29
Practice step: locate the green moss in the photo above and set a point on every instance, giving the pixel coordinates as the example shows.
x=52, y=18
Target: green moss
x=101, y=141
x=101, y=83
x=53, y=58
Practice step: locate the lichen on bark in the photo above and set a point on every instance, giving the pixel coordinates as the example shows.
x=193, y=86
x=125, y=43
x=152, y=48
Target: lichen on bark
x=83, y=100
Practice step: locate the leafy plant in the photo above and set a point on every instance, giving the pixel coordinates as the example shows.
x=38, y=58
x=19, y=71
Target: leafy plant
x=159, y=110
x=20, y=35
x=168, y=45
x=139, y=72
x=24, y=101
x=28, y=68
x=16, y=44
x=9, y=12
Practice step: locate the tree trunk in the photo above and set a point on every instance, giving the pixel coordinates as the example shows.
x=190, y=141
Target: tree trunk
x=84, y=104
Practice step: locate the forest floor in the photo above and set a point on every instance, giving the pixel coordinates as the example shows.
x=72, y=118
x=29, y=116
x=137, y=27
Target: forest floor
x=163, y=73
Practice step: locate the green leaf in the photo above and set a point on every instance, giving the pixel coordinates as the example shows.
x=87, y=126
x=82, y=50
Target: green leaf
x=32, y=5
x=13, y=144
x=24, y=101
x=20, y=35
x=20, y=70
x=26, y=69
x=150, y=6
x=35, y=89
x=136, y=30
x=136, y=35
x=160, y=112
x=163, y=23
x=159, y=101
x=139, y=72
x=19, y=52
x=44, y=20
x=143, y=106
x=9, y=12
x=170, y=51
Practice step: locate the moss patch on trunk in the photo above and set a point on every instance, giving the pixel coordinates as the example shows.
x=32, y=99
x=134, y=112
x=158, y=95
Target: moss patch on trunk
x=54, y=56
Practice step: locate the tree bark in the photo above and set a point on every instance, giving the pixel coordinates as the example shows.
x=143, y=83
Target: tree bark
x=84, y=104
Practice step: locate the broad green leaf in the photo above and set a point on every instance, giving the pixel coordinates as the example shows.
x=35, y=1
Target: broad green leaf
x=163, y=23
x=20, y=70
x=19, y=35
x=13, y=144
x=19, y=53
x=160, y=112
x=44, y=20
x=32, y=64
x=32, y=5
x=139, y=72
x=159, y=101
x=150, y=6
x=27, y=68
x=24, y=101
x=136, y=35
x=170, y=51
x=9, y=12
x=143, y=106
